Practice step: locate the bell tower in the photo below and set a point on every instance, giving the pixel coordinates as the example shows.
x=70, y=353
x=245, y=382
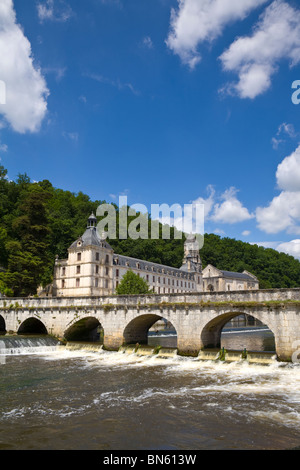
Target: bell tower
x=192, y=254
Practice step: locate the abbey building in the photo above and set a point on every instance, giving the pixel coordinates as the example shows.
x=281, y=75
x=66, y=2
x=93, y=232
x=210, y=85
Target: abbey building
x=93, y=269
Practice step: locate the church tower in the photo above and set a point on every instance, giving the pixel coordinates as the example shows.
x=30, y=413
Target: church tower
x=191, y=261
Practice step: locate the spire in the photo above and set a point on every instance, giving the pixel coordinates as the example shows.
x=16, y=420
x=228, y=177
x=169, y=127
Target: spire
x=92, y=221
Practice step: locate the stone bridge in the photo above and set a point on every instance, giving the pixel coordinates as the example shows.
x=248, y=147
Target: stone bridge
x=197, y=317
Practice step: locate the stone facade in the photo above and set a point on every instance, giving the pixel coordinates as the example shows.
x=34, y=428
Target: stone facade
x=93, y=269
x=215, y=280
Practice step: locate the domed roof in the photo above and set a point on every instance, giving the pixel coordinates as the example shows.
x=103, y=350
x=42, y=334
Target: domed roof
x=91, y=236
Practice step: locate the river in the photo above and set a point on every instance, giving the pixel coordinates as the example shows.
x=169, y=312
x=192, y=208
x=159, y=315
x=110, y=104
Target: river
x=55, y=398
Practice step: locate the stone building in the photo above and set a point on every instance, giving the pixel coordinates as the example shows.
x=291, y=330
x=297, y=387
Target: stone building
x=217, y=280
x=93, y=269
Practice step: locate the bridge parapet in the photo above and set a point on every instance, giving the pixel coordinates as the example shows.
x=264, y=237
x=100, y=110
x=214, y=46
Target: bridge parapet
x=260, y=296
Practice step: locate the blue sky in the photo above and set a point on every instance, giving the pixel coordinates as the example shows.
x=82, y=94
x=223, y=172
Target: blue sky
x=164, y=101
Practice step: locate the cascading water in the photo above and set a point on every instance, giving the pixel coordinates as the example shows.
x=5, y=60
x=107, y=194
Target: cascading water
x=21, y=345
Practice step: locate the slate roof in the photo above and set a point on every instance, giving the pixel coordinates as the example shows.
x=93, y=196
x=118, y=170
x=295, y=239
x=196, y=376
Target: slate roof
x=128, y=262
x=91, y=237
x=233, y=275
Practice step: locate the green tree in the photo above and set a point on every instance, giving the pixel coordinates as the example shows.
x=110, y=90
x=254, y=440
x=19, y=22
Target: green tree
x=28, y=254
x=132, y=284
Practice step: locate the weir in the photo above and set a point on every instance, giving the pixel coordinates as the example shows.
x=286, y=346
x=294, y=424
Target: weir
x=14, y=345
x=11, y=345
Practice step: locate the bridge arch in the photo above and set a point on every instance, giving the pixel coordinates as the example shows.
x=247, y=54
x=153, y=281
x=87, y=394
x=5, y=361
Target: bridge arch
x=32, y=326
x=136, y=331
x=211, y=332
x=86, y=329
x=2, y=326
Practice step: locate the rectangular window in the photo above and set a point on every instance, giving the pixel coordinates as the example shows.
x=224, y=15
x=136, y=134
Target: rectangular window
x=106, y=259
x=63, y=284
x=153, y=278
x=97, y=256
x=78, y=256
x=117, y=273
x=106, y=271
x=97, y=269
x=63, y=271
x=78, y=282
x=96, y=282
x=77, y=269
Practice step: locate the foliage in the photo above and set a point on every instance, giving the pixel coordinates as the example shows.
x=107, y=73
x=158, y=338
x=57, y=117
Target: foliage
x=132, y=284
x=38, y=222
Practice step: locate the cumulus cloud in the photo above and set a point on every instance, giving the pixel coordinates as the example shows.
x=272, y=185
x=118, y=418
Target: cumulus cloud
x=255, y=58
x=198, y=21
x=283, y=212
x=288, y=172
x=26, y=91
x=231, y=210
x=291, y=248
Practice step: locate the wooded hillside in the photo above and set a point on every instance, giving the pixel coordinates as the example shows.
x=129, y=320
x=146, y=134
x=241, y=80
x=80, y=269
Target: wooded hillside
x=38, y=222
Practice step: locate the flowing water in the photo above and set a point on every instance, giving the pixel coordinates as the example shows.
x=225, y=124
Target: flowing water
x=53, y=397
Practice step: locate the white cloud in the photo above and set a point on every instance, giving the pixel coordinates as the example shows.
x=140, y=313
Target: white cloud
x=26, y=90
x=208, y=202
x=231, y=210
x=197, y=21
x=246, y=233
x=283, y=213
x=288, y=172
x=255, y=58
x=49, y=10
x=291, y=248
x=219, y=231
